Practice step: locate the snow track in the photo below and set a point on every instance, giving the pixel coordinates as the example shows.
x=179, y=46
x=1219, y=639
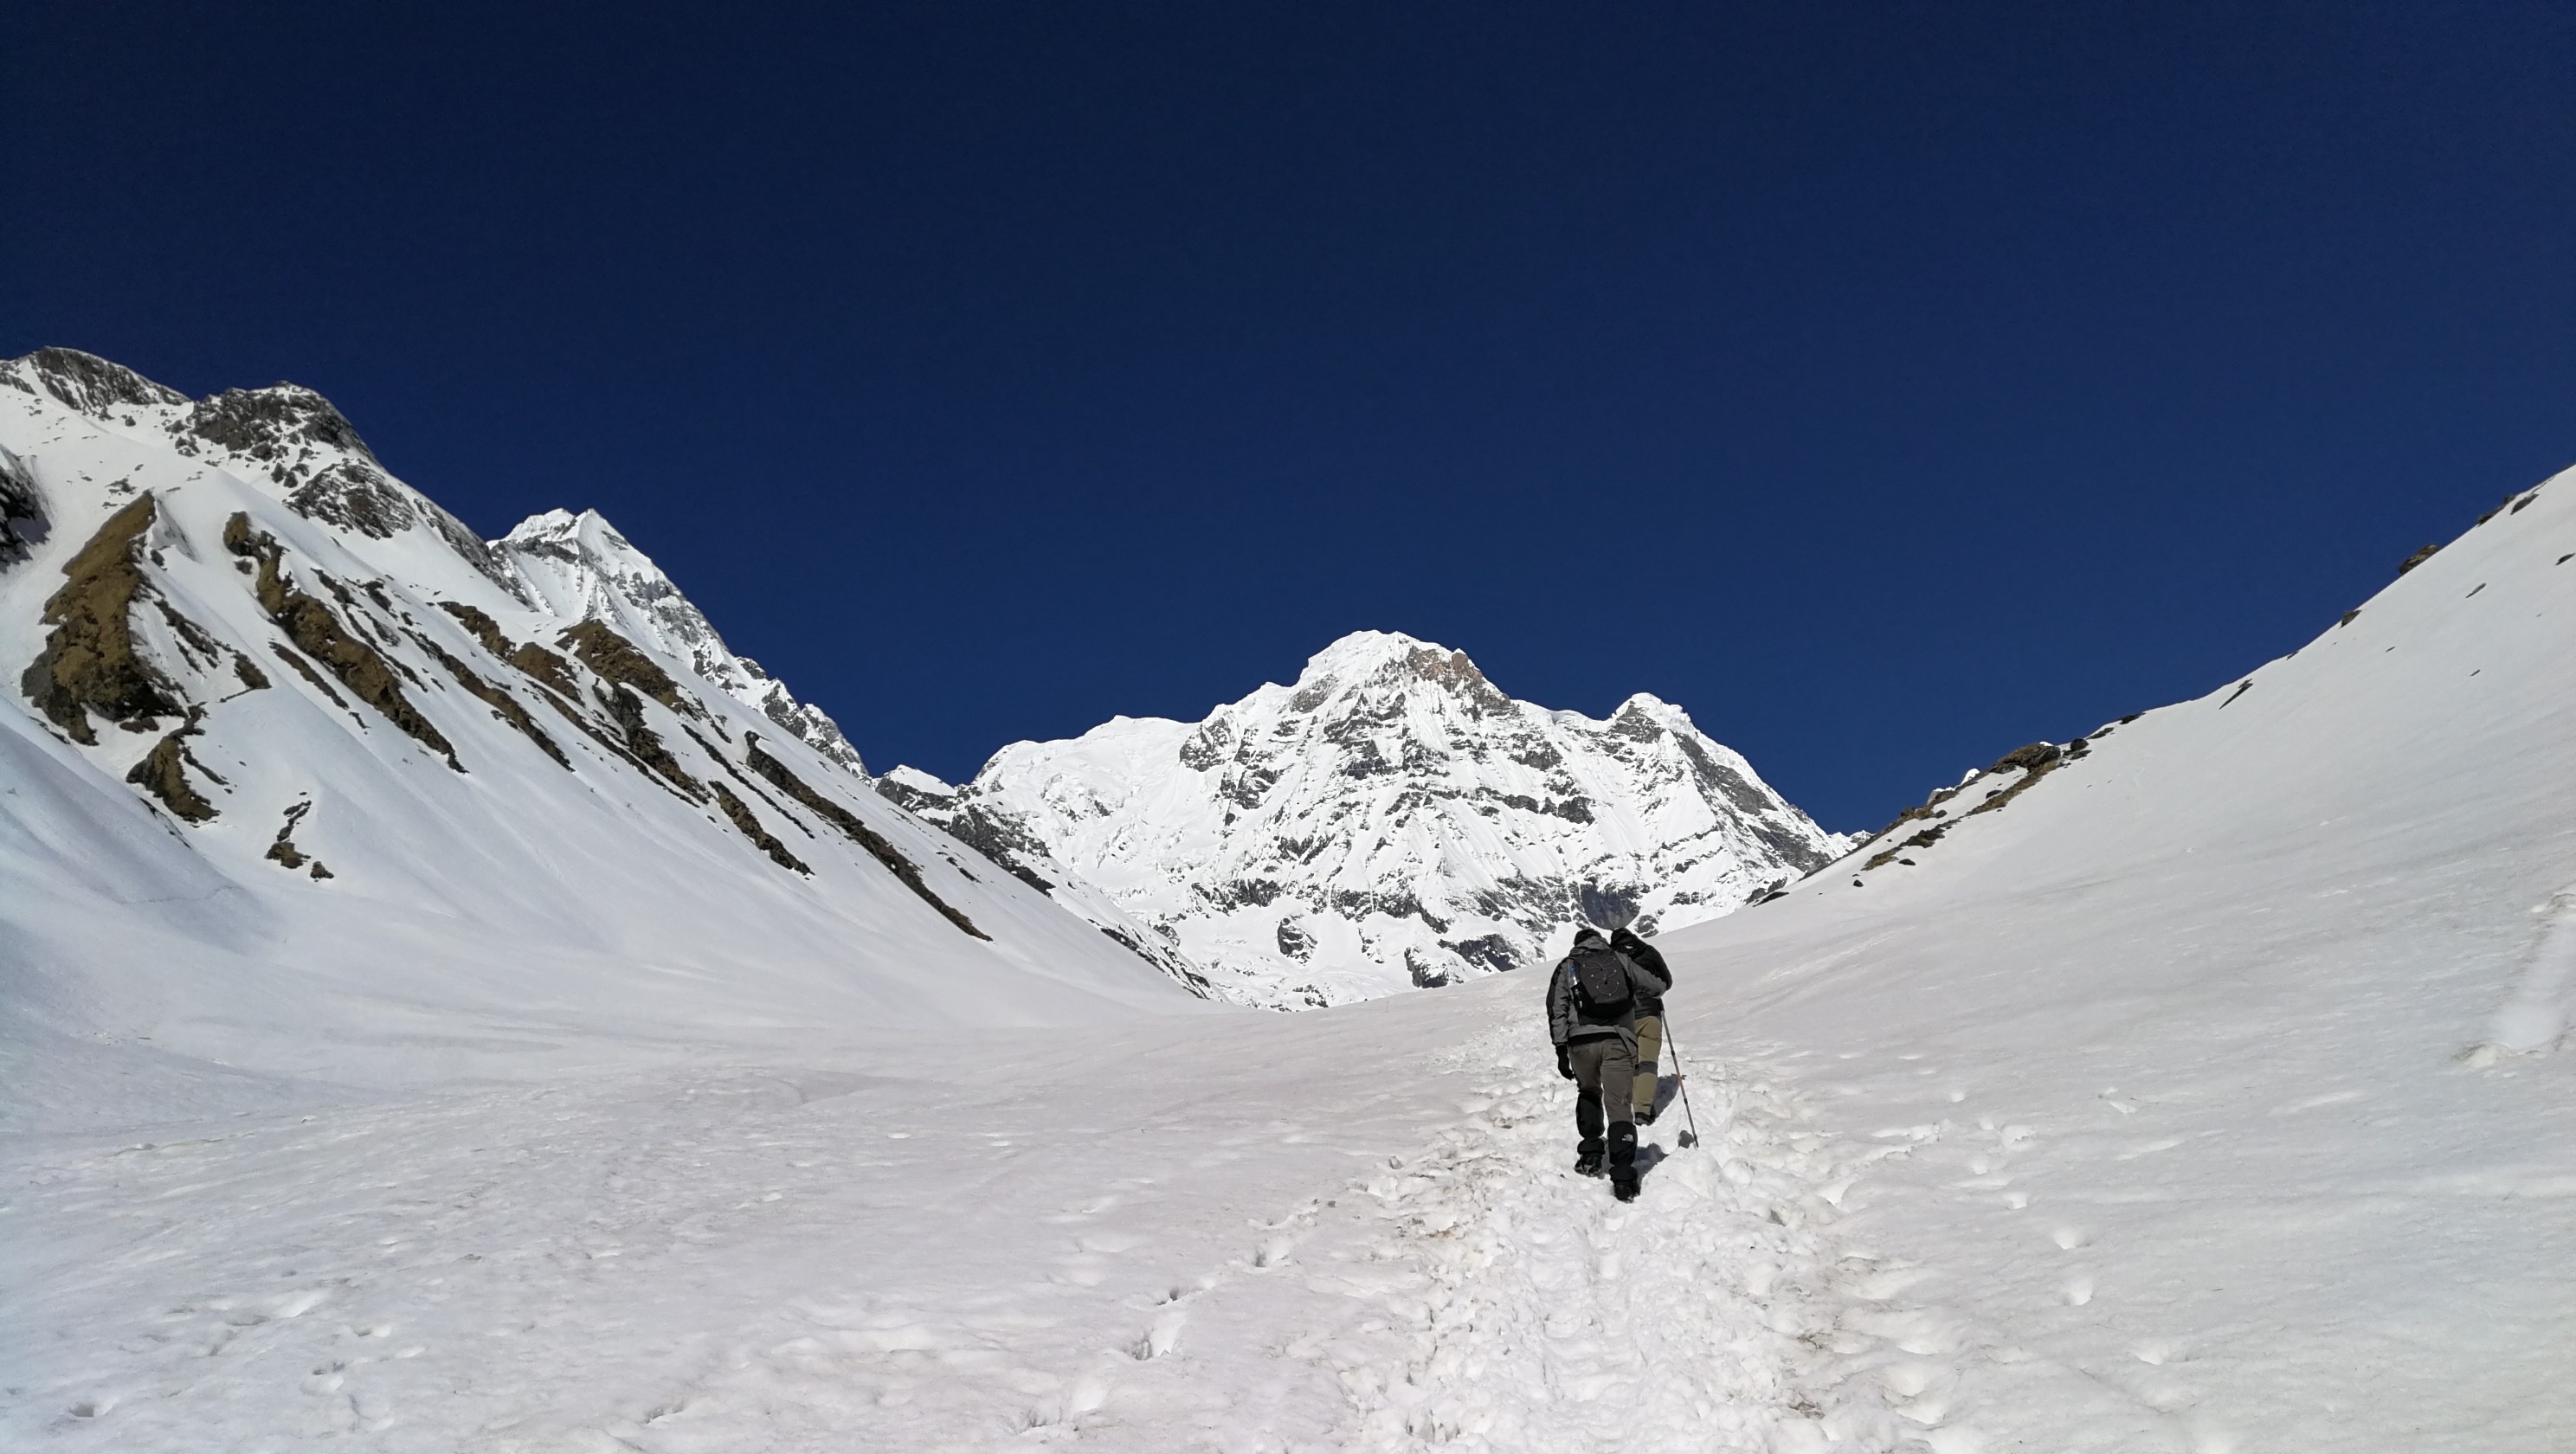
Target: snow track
x=1713, y=1313
x=1383, y=1250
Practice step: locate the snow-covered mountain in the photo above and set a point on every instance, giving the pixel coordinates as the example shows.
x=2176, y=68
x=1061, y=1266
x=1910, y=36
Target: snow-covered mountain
x=578, y=568
x=275, y=707
x=2206, y=1092
x=1389, y=820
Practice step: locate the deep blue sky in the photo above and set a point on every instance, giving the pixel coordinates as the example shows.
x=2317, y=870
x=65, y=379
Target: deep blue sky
x=1887, y=384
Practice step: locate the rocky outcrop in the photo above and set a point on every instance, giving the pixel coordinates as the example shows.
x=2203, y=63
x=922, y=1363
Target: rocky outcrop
x=739, y=813
x=786, y=781
x=616, y=659
x=503, y=705
x=162, y=773
x=89, y=663
x=321, y=638
x=90, y=384
x=22, y=508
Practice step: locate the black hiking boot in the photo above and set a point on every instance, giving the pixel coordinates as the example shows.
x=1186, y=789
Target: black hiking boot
x=1587, y=1163
x=1623, y=1183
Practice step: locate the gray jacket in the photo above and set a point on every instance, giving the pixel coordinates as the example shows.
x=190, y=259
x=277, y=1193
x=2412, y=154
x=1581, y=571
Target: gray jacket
x=1566, y=1024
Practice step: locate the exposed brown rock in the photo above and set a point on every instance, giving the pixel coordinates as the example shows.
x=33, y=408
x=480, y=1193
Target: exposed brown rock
x=193, y=638
x=252, y=678
x=503, y=705
x=748, y=785
x=89, y=663
x=2036, y=755
x=589, y=729
x=766, y=766
x=2017, y=789
x=162, y=773
x=304, y=669
x=1924, y=839
x=547, y=668
x=744, y=819
x=645, y=745
x=485, y=629
x=2418, y=558
x=283, y=851
x=309, y=624
x=620, y=660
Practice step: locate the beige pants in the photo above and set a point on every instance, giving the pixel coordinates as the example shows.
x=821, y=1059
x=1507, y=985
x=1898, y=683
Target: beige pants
x=1650, y=1044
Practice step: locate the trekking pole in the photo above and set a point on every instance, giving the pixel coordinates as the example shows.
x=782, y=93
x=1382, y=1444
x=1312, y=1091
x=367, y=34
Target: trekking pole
x=1681, y=1078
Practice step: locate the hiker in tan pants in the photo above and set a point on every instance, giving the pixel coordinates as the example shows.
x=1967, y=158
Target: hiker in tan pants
x=1650, y=1019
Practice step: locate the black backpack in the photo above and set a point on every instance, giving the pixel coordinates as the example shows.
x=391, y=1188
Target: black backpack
x=1601, y=988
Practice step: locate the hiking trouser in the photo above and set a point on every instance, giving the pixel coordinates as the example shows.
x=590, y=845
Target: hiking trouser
x=1605, y=1073
x=1650, y=1044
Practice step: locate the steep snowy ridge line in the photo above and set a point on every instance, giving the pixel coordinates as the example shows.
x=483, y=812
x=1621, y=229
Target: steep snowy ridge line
x=2227, y=1050
x=1391, y=820
x=455, y=779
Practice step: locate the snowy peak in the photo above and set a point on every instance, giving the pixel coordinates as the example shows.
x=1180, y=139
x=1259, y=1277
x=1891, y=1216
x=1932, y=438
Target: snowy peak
x=582, y=569
x=1361, y=669
x=534, y=766
x=1391, y=819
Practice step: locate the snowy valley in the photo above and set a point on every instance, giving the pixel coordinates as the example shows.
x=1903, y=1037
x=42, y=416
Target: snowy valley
x=643, y=1076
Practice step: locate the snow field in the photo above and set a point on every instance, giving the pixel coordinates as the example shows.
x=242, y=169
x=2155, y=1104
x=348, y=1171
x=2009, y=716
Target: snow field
x=1370, y=1241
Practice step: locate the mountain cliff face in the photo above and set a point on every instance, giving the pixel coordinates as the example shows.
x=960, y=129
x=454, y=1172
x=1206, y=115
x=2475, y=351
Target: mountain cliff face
x=390, y=761
x=1390, y=820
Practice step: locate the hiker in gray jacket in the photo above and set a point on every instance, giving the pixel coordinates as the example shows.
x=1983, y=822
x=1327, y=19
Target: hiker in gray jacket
x=1592, y=1016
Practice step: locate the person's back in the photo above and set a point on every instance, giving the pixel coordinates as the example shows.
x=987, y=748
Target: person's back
x=1592, y=1001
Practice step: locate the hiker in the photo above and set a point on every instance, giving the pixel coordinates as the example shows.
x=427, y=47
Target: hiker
x=1592, y=1017
x=1650, y=1017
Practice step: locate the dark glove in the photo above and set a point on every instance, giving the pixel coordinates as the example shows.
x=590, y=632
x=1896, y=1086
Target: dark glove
x=1564, y=1063
x=1626, y=940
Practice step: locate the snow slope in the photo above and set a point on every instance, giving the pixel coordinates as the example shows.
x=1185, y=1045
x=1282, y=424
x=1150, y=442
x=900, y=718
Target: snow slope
x=301, y=777
x=2205, y=1096
x=1391, y=820
x=2183, y=1077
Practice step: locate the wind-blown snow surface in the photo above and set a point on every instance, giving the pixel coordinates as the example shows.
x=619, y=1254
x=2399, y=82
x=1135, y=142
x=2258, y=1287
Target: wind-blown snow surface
x=2152, y=1111
x=1389, y=821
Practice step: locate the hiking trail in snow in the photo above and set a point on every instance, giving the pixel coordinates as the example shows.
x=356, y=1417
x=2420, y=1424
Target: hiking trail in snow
x=1391, y=1254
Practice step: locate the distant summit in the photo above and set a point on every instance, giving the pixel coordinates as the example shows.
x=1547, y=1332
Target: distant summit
x=1390, y=820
